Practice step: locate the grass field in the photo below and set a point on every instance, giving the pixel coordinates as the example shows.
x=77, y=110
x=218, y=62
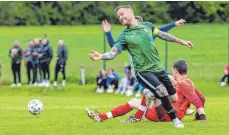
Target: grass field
x=64, y=111
x=64, y=114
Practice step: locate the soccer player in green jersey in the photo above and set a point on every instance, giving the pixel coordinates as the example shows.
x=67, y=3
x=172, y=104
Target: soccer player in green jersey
x=137, y=40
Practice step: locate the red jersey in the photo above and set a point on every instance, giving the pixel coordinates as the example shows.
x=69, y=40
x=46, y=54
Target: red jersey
x=227, y=67
x=187, y=94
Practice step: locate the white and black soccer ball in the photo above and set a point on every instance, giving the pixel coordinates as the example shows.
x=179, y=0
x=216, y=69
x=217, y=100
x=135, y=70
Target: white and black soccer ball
x=35, y=106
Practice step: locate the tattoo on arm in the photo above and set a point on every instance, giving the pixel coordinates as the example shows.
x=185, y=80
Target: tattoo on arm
x=166, y=36
x=110, y=55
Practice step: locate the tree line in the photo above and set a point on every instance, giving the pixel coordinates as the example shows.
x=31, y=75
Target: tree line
x=93, y=12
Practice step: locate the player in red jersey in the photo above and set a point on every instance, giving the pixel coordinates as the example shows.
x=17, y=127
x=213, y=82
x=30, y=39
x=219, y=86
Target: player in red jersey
x=187, y=94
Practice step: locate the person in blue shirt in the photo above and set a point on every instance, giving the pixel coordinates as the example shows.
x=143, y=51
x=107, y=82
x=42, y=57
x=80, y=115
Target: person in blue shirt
x=107, y=28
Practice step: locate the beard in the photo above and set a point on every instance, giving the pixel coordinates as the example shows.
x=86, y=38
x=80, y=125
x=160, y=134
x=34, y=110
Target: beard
x=126, y=21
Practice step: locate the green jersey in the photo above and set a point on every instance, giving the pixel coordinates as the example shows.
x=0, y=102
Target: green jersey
x=138, y=42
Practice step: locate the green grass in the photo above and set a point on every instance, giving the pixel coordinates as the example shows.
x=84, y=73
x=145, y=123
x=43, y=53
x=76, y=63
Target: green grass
x=64, y=114
x=64, y=111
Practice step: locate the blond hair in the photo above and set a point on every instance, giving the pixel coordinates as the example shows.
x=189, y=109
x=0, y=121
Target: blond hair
x=123, y=6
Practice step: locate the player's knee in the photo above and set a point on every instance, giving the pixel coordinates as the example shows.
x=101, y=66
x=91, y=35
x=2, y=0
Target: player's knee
x=148, y=94
x=161, y=91
x=134, y=102
x=173, y=98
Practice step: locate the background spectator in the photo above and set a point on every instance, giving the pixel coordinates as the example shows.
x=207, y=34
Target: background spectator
x=101, y=81
x=45, y=59
x=28, y=61
x=226, y=75
x=62, y=55
x=112, y=80
x=16, y=57
x=36, y=63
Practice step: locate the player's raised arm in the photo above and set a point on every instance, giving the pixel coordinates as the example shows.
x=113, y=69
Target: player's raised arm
x=168, y=27
x=168, y=37
x=107, y=28
x=95, y=56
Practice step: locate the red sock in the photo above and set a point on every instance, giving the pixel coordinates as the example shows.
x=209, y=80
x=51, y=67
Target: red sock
x=103, y=116
x=141, y=112
x=118, y=111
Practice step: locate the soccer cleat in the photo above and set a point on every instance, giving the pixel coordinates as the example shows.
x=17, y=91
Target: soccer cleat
x=201, y=117
x=197, y=117
x=131, y=119
x=222, y=84
x=178, y=124
x=190, y=112
x=54, y=85
x=93, y=115
x=13, y=85
x=47, y=83
x=63, y=84
x=97, y=90
x=19, y=84
x=101, y=90
x=35, y=84
x=41, y=84
x=110, y=90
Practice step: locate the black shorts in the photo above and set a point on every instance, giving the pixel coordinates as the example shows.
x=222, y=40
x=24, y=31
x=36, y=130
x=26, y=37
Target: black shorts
x=164, y=78
x=151, y=80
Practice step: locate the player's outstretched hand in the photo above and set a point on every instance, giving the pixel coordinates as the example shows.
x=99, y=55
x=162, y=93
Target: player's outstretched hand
x=106, y=26
x=180, y=22
x=187, y=43
x=95, y=55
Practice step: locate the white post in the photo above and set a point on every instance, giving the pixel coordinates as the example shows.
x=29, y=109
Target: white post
x=82, y=75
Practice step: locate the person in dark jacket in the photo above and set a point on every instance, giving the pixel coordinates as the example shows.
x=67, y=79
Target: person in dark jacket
x=16, y=55
x=62, y=55
x=29, y=61
x=45, y=59
x=36, y=63
x=112, y=80
x=101, y=81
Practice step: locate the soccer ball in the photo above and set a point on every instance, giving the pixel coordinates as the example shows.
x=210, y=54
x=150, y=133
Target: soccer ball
x=35, y=106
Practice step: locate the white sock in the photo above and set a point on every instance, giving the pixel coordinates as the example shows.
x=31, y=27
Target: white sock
x=176, y=120
x=63, y=83
x=200, y=111
x=109, y=115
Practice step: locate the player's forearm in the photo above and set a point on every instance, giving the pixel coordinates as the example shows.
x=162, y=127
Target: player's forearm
x=168, y=27
x=168, y=37
x=110, y=39
x=110, y=55
x=193, y=98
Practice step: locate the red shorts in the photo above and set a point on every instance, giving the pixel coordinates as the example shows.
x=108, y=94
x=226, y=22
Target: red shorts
x=180, y=115
x=152, y=115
